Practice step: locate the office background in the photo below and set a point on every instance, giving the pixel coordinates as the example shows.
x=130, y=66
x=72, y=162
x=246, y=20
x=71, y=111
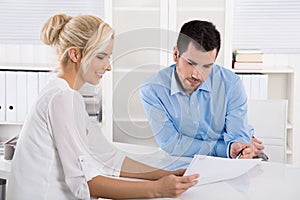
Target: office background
x=146, y=32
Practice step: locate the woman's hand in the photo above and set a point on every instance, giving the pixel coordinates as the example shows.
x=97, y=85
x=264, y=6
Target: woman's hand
x=173, y=186
x=179, y=172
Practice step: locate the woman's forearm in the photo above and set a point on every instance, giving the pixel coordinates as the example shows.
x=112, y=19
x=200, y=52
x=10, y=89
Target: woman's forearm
x=106, y=187
x=134, y=169
x=168, y=186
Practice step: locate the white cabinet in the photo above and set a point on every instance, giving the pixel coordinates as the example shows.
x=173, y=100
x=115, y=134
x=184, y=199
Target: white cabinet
x=281, y=88
x=136, y=56
x=145, y=34
x=19, y=87
x=269, y=119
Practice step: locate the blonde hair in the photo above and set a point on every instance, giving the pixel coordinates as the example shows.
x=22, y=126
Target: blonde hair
x=85, y=32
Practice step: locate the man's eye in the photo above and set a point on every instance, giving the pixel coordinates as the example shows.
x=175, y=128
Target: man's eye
x=207, y=66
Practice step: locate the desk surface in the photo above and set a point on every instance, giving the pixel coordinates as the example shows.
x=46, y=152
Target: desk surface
x=274, y=181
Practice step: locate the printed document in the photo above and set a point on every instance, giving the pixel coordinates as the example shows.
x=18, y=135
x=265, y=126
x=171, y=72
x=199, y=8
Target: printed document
x=213, y=169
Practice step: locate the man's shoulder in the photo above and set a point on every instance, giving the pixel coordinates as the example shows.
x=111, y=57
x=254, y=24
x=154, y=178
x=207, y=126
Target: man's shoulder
x=225, y=74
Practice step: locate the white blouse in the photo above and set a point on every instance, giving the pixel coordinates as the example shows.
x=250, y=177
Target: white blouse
x=60, y=149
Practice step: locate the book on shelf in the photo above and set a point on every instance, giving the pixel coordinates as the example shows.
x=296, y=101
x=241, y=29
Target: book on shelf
x=248, y=51
x=254, y=57
x=247, y=65
x=248, y=55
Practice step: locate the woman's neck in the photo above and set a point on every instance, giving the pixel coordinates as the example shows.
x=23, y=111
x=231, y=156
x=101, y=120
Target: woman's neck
x=72, y=76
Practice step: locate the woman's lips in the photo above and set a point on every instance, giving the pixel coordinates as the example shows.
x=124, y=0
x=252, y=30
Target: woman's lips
x=100, y=75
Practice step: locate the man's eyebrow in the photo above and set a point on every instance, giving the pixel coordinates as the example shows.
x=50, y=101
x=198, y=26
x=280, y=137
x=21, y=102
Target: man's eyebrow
x=208, y=65
x=192, y=62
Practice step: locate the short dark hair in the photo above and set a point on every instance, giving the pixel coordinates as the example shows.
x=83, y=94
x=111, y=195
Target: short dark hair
x=203, y=34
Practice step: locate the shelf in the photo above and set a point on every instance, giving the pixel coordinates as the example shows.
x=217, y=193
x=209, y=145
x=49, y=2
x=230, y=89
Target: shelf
x=289, y=126
x=137, y=9
x=11, y=123
x=27, y=67
x=289, y=152
x=267, y=70
x=203, y=9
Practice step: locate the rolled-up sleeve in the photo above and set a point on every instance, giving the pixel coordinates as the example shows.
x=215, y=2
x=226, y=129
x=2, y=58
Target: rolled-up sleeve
x=70, y=134
x=237, y=128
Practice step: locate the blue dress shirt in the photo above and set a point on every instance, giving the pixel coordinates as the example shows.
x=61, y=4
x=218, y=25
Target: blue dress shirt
x=205, y=122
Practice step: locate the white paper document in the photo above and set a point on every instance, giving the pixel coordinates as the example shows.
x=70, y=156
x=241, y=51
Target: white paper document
x=213, y=169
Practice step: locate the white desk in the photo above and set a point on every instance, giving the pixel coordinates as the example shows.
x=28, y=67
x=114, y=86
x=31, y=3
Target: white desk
x=274, y=181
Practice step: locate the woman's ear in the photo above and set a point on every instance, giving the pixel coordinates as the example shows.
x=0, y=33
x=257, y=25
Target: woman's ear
x=74, y=54
x=175, y=54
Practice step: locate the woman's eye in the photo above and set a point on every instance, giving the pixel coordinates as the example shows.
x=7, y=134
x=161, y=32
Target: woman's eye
x=100, y=57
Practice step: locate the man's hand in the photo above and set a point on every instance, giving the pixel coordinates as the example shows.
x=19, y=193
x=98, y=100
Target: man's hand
x=246, y=150
x=258, y=146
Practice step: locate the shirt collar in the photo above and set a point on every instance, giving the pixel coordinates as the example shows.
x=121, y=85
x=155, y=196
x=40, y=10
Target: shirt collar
x=176, y=87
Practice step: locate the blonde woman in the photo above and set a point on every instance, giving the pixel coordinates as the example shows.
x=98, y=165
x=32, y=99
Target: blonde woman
x=59, y=154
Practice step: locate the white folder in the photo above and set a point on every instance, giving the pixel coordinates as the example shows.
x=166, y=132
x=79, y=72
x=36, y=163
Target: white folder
x=21, y=96
x=247, y=84
x=263, y=85
x=255, y=87
x=2, y=96
x=11, y=96
x=32, y=89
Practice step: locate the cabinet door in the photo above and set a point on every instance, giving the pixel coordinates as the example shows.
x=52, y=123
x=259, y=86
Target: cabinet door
x=276, y=153
x=136, y=56
x=209, y=10
x=269, y=119
x=145, y=34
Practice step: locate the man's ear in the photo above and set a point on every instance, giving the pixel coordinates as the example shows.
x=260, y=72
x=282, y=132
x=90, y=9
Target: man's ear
x=175, y=54
x=74, y=54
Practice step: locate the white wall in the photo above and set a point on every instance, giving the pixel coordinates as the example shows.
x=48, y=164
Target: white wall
x=27, y=55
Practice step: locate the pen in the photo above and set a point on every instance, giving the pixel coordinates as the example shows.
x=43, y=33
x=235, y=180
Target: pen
x=239, y=154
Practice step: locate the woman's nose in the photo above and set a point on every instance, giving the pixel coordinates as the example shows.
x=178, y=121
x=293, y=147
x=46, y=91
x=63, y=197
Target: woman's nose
x=108, y=67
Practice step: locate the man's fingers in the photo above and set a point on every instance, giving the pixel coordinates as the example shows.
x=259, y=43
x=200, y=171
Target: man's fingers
x=255, y=140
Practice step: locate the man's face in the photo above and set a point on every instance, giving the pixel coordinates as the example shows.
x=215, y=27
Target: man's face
x=193, y=67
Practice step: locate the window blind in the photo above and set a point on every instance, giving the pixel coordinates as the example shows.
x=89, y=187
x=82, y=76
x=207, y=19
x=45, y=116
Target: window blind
x=22, y=20
x=271, y=25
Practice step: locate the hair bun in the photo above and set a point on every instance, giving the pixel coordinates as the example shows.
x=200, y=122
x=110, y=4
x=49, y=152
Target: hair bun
x=52, y=28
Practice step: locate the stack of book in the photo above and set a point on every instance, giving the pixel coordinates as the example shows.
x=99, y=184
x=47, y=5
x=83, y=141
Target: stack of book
x=92, y=97
x=247, y=59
